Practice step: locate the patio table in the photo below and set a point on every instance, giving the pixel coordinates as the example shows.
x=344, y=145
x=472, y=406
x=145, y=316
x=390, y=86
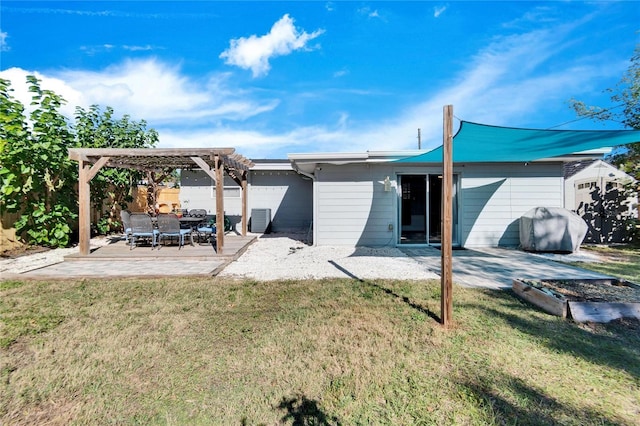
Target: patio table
x=191, y=221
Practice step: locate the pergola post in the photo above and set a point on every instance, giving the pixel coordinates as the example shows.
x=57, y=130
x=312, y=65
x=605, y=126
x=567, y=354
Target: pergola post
x=86, y=172
x=244, y=204
x=218, y=168
x=84, y=208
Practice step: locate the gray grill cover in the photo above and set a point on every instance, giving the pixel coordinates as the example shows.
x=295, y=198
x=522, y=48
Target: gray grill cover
x=551, y=229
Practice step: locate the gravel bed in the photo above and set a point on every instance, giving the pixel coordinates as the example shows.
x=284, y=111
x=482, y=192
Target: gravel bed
x=275, y=257
x=286, y=256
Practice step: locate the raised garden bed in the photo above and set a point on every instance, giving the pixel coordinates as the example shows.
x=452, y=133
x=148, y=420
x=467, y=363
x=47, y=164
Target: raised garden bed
x=596, y=300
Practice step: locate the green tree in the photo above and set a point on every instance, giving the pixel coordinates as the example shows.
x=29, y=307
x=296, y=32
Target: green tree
x=111, y=187
x=625, y=94
x=37, y=176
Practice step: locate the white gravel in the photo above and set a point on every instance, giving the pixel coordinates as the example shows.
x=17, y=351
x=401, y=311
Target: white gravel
x=277, y=256
x=280, y=256
x=287, y=256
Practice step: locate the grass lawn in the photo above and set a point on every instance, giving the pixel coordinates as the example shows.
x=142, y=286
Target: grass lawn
x=622, y=261
x=325, y=352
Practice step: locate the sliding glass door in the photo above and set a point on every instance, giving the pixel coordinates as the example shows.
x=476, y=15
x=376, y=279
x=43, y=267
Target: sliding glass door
x=420, y=209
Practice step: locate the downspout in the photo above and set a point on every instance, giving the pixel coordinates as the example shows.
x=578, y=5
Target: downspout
x=311, y=176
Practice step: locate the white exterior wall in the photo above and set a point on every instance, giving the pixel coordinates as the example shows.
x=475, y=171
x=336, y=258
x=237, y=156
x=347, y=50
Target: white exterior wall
x=493, y=197
x=288, y=195
x=198, y=192
x=352, y=207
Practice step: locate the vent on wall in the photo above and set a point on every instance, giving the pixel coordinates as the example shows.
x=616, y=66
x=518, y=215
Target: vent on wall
x=260, y=220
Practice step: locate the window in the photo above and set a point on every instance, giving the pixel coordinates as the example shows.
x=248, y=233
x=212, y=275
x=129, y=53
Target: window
x=228, y=191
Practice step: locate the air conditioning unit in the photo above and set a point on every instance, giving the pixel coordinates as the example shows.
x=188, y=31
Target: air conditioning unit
x=260, y=220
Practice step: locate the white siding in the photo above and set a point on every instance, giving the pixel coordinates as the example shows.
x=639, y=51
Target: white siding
x=197, y=192
x=352, y=207
x=494, y=196
x=288, y=195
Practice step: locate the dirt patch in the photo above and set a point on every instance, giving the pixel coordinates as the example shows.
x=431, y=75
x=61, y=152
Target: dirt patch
x=24, y=250
x=594, y=290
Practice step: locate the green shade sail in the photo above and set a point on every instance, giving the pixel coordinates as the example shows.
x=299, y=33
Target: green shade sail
x=480, y=143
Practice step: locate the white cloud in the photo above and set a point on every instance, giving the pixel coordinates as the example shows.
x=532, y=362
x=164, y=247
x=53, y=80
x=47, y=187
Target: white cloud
x=4, y=46
x=438, y=10
x=138, y=48
x=18, y=79
x=255, y=52
x=370, y=13
x=340, y=73
x=146, y=89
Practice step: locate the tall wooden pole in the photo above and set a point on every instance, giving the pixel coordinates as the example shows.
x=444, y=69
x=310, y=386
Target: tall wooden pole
x=446, y=270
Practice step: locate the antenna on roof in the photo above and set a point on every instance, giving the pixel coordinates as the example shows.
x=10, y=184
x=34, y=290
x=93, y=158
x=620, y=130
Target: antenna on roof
x=419, y=141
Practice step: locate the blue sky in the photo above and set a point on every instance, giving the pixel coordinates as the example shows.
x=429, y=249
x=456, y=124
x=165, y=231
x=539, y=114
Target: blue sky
x=272, y=78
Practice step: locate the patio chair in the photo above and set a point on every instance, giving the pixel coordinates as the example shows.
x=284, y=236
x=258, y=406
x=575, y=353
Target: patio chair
x=125, y=216
x=169, y=226
x=198, y=213
x=205, y=229
x=142, y=227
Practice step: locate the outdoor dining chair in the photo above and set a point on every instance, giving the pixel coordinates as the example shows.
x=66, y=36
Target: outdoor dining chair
x=198, y=213
x=125, y=216
x=169, y=226
x=142, y=227
x=207, y=230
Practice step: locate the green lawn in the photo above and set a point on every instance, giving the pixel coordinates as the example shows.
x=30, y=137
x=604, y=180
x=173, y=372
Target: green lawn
x=213, y=351
x=622, y=261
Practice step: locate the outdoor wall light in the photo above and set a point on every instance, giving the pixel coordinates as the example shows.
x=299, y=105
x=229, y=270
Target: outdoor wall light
x=387, y=184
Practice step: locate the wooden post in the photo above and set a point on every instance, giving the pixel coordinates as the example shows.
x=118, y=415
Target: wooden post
x=219, y=204
x=84, y=208
x=446, y=273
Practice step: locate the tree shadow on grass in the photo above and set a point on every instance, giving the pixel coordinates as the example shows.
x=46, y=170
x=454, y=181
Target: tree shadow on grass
x=509, y=400
x=390, y=292
x=615, y=345
x=302, y=411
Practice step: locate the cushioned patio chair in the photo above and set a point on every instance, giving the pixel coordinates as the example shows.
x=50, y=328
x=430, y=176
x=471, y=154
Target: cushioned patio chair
x=142, y=228
x=207, y=230
x=169, y=226
x=125, y=216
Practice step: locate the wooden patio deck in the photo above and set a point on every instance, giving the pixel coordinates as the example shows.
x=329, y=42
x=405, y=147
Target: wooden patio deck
x=234, y=246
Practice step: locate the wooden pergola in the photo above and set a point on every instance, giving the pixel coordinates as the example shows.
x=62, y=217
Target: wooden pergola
x=213, y=161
